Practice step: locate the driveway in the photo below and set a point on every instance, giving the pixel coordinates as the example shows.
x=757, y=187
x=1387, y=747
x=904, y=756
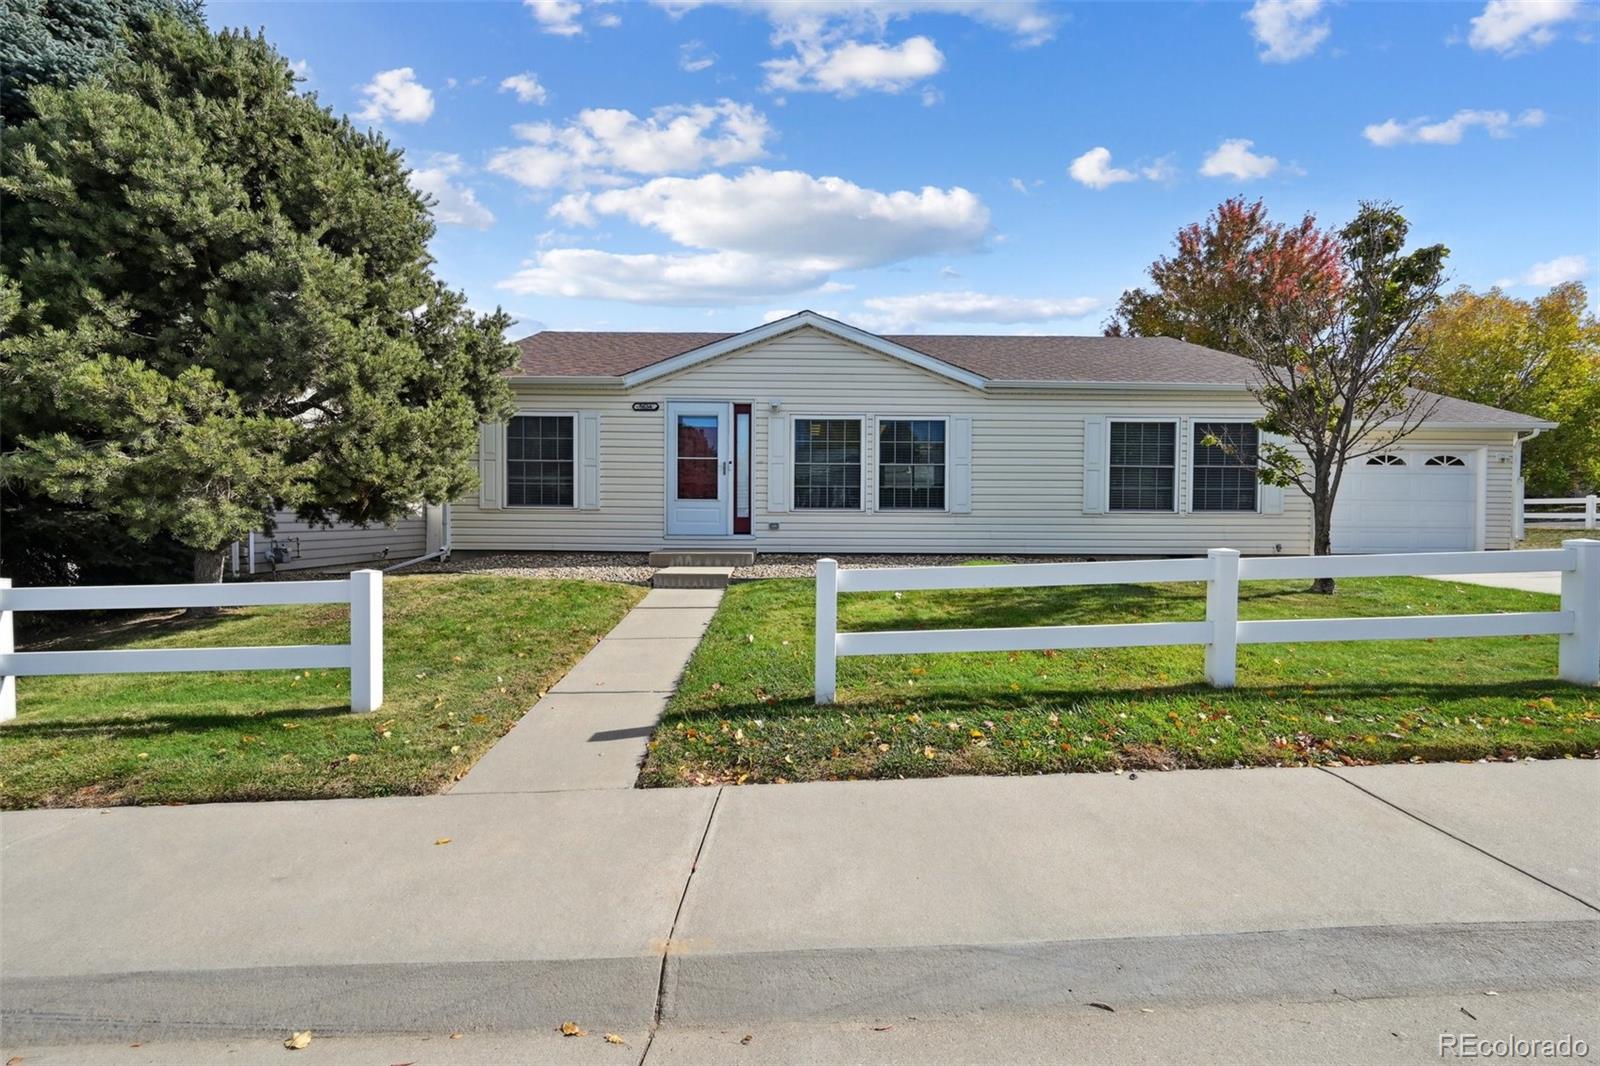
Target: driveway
x=1539, y=581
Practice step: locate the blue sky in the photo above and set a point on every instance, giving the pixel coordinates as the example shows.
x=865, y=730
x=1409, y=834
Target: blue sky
x=948, y=165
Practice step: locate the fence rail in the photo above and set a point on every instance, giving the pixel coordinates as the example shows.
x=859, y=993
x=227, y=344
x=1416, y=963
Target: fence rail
x=1584, y=509
x=363, y=656
x=1577, y=622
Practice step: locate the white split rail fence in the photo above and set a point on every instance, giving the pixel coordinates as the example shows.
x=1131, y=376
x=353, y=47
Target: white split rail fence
x=363, y=656
x=1577, y=622
x=1589, y=515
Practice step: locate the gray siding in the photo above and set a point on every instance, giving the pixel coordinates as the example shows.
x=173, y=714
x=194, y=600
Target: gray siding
x=313, y=546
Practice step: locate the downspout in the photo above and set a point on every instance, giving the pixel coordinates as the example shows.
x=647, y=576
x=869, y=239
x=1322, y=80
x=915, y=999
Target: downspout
x=1519, y=516
x=442, y=552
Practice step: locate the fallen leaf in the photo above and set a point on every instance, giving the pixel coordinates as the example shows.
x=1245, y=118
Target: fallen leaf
x=881, y=1028
x=455, y=1036
x=1146, y=1010
x=613, y=1038
x=746, y=1038
x=572, y=1029
x=1105, y=1007
x=441, y=842
x=352, y=757
x=298, y=1041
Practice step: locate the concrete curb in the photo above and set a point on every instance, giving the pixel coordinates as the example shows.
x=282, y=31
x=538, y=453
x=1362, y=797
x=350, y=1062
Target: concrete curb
x=605, y=994
x=811, y=986
x=1304, y=964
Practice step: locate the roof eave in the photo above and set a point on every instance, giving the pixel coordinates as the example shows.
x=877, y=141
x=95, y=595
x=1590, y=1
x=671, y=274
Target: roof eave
x=590, y=381
x=1158, y=386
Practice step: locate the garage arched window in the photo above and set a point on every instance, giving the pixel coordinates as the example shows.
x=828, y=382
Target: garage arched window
x=1445, y=460
x=1386, y=460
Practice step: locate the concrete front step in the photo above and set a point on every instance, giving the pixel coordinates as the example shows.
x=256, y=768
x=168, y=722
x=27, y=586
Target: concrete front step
x=702, y=557
x=693, y=577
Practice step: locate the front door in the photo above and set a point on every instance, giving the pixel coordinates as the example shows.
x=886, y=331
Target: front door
x=699, y=469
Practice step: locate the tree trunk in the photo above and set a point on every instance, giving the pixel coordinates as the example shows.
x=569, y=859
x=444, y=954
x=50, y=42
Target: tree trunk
x=208, y=570
x=1322, y=537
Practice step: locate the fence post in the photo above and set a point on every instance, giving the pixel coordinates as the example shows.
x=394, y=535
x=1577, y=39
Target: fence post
x=1580, y=594
x=1589, y=512
x=366, y=640
x=827, y=629
x=8, y=644
x=1222, y=611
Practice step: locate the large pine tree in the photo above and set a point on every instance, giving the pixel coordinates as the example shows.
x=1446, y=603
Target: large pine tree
x=218, y=300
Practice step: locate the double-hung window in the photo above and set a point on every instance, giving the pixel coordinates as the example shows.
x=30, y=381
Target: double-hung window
x=1143, y=466
x=1225, y=471
x=911, y=464
x=539, y=461
x=827, y=464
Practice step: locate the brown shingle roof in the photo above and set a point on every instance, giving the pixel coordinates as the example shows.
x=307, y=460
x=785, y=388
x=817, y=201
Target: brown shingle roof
x=1102, y=360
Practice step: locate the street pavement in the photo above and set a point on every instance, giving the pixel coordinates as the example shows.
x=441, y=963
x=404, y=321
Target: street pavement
x=818, y=911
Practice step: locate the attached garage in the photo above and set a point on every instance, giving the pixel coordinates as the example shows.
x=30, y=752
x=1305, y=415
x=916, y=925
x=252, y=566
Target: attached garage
x=1411, y=500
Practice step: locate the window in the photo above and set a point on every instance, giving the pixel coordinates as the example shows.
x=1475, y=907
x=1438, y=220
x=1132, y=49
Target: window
x=1445, y=460
x=1143, y=466
x=1386, y=460
x=1225, y=472
x=911, y=464
x=827, y=464
x=539, y=461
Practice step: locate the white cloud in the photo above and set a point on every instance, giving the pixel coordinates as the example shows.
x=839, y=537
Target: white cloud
x=1391, y=132
x=854, y=66
x=609, y=21
x=454, y=204
x=694, y=56
x=839, y=46
x=1029, y=21
x=559, y=17
x=931, y=96
x=794, y=216
x=1287, y=29
x=526, y=86
x=1512, y=26
x=1163, y=169
x=762, y=234
x=1551, y=272
x=1020, y=186
x=903, y=312
x=398, y=95
x=603, y=143
x=1234, y=159
x=679, y=280
x=1093, y=168
x=302, y=69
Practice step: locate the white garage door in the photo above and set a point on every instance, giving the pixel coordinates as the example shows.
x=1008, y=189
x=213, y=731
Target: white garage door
x=1408, y=500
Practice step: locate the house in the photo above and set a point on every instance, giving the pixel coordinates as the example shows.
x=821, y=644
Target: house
x=810, y=435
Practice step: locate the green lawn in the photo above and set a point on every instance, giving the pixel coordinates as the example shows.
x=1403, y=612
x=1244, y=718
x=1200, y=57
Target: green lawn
x=1547, y=537
x=466, y=656
x=744, y=711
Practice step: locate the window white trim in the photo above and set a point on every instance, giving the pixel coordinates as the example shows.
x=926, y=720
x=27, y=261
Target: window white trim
x=1236, y=420
x=505, y=461
x=877, y=463
x=1177, y=462
x=868, y=456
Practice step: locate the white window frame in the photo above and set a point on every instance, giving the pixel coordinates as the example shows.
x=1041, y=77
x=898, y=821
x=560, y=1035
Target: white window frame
x=868, y=450
x=1192, y=421
x=505, y=461
x=1177, y=464
x=877, y=464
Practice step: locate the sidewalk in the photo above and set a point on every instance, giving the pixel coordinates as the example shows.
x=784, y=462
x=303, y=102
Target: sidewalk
x=788, y=903
x=1537, y=581
x=590, y=731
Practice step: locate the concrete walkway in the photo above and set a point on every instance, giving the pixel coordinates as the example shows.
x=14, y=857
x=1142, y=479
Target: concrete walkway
x=591, y=729
x=1538, y=581
x=637, y=911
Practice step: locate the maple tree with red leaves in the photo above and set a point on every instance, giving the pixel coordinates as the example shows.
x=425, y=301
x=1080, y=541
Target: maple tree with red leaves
x=1330, y=321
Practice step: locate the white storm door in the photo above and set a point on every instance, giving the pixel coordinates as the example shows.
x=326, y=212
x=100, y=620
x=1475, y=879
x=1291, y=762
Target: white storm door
x=699, y=468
